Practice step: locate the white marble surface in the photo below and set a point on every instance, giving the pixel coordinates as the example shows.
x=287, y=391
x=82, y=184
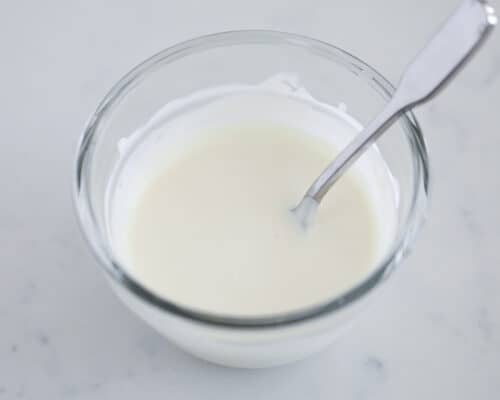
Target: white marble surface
x=435, y=333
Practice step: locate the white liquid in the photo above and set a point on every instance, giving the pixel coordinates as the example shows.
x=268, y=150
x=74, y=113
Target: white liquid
x=199, y=212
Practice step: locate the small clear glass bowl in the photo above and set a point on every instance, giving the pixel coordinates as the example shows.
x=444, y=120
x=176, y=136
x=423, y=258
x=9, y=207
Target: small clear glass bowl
x=332, y=76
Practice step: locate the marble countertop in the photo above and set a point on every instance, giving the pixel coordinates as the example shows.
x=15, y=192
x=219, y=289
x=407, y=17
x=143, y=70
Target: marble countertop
x=434, y=333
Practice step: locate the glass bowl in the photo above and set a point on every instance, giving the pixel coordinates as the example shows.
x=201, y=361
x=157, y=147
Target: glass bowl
x=332, y=76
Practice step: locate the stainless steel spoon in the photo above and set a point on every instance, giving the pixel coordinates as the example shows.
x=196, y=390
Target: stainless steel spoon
x=443, y=56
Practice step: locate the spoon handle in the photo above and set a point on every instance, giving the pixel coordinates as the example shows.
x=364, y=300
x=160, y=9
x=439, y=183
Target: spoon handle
x=351, y=152
x=443, y=56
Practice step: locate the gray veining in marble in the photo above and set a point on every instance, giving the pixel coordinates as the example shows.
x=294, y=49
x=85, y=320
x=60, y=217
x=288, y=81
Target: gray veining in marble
x=434, y=333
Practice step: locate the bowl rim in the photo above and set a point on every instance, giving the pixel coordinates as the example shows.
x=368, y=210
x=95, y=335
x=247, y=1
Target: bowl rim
x=401, y=244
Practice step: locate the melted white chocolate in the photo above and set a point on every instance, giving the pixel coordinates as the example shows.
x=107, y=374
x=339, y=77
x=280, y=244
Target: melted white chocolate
x=199, y=207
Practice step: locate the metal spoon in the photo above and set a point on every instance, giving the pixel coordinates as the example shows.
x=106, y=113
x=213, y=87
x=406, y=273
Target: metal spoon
x=435, y=65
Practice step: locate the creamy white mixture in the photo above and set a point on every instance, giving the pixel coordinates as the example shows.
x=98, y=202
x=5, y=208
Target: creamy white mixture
x=198, y=208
